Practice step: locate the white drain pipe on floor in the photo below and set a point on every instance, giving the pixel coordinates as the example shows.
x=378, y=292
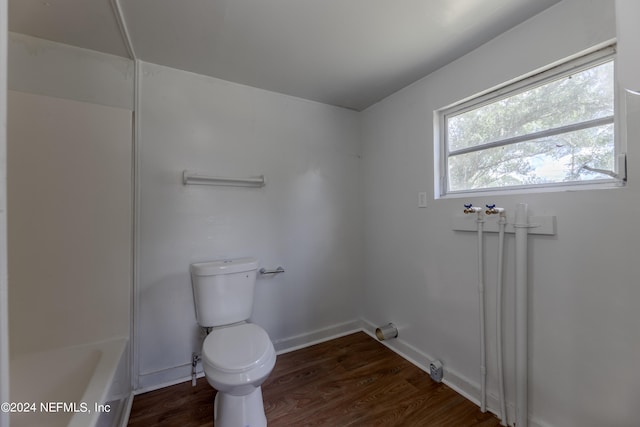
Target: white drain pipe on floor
x=521, y=226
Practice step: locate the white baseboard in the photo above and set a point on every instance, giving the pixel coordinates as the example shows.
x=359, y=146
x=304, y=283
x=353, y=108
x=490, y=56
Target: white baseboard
x=174, y=376
x=318, y=336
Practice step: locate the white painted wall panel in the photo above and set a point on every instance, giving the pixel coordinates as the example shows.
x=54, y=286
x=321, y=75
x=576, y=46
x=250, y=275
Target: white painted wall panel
x=307, y=217
x=420, y=274
x=70, y=222
x=4, y=297
x=55, y=69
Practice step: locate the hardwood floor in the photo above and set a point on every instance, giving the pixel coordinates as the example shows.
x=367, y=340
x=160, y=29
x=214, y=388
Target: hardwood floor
x=349, y=381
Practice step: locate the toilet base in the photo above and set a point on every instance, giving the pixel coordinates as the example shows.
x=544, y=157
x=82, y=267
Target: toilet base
x=235, y=411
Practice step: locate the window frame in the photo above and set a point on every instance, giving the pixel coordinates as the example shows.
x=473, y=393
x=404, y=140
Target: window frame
x=567, y=67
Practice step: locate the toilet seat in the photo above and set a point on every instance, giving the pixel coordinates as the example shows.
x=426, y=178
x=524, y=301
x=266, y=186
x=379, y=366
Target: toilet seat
x=237, y=349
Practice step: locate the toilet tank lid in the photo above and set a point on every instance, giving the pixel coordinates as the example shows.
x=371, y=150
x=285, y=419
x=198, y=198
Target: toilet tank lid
x=224, y=266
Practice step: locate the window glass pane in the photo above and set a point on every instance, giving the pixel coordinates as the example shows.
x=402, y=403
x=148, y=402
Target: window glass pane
x=546, y=160
x=583, y=96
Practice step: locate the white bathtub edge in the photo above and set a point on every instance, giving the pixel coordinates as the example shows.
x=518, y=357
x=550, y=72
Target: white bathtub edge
x=96, y=393
x=124, y=420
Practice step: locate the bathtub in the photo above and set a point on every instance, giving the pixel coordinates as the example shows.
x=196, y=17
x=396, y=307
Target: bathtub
x=67, y=387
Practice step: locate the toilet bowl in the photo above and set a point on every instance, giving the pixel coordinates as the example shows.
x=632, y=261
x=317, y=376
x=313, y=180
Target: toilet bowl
x=237, y=359
x=237, y=356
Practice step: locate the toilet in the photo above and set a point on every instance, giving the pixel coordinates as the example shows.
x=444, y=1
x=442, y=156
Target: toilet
x=237, y=356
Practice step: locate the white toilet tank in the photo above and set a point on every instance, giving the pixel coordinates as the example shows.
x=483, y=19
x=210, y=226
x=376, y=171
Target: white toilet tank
x=223, y=290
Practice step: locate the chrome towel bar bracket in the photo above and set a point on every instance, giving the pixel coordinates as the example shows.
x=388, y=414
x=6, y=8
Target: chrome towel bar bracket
x=276, y=271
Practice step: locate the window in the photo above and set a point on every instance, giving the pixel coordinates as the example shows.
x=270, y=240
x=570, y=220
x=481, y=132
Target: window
x=554, y=128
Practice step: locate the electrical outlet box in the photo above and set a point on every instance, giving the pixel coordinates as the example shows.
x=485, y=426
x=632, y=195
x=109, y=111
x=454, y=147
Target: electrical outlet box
x=422, y=199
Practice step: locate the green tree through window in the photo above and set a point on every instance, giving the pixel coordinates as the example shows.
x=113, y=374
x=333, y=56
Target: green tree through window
x=540, y=134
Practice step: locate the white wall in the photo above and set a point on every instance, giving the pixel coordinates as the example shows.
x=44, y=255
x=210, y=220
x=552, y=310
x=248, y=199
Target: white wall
x=307, y=218
x=584, y=321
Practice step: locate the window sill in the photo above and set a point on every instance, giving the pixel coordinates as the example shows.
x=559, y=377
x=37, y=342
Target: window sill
x=530, y=189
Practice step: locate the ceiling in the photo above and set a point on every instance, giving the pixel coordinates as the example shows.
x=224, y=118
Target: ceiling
x=348, y=53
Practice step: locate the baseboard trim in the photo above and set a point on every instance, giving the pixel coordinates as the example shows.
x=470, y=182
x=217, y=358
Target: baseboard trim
x=318, y=336
x=169, y=383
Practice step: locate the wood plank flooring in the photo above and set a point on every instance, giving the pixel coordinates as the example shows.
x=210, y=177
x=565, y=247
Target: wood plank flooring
x=349, y=381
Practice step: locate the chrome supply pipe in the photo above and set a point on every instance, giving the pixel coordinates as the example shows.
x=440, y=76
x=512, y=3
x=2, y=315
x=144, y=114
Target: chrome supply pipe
x=195, y=358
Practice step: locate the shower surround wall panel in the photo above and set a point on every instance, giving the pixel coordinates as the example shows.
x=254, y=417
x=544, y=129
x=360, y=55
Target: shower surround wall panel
x=70, y=210
x=307, y=218
x=4, y=294
x=70, y=222
x=62, y=71
x=584, y=339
